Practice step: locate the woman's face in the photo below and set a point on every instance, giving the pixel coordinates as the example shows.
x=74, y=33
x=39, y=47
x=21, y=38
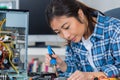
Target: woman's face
x=68, y=28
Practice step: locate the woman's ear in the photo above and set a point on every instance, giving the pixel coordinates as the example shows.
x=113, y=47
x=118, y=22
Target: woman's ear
x=81, y=14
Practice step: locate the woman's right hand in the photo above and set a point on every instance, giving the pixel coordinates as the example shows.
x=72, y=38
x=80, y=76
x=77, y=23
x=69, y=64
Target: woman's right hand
x=48, y=58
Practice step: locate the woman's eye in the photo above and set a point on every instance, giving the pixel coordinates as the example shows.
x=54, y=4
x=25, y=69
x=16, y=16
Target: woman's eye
x=66, y=27
x=57, y=32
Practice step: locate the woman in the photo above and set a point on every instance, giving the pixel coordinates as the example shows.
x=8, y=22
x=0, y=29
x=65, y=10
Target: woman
x=93, y=48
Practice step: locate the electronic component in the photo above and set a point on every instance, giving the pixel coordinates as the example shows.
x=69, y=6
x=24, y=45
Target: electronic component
x=4, y=77
x=41, y=76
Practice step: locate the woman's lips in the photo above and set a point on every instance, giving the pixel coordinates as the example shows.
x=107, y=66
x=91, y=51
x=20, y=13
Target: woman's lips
x=73, y=39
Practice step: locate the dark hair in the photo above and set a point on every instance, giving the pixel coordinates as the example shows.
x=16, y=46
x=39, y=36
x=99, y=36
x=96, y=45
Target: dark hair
x=70, y=8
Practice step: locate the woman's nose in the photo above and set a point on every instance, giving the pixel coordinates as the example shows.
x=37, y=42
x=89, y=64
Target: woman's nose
x=66, y=34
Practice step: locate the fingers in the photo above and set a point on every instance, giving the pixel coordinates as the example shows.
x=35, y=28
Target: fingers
x=75, y=76
x=47, y=56
x=78, y=75
x=47, y=60
x=55, y=56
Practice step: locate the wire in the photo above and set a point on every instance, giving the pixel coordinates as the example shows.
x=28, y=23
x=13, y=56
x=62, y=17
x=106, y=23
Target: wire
x=10, y=52
x=1, y=23
x=10, y=56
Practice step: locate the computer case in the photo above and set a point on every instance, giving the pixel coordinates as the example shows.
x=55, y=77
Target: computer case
x=13, y=44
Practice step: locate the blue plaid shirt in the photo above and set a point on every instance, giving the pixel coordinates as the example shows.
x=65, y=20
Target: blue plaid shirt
x=105, y=49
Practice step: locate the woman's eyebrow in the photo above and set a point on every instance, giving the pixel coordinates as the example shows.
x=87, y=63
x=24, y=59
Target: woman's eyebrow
x=61, y=26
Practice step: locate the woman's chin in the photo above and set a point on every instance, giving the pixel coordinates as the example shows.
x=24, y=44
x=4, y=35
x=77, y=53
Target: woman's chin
x=76, y=41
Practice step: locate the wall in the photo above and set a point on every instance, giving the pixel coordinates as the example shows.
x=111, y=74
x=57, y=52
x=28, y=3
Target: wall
x=102, y=5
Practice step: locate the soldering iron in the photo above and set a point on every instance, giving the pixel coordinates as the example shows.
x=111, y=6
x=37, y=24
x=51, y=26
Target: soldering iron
x=51, y=52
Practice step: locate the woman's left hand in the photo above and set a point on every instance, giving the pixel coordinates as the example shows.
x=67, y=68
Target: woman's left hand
x=78, y=75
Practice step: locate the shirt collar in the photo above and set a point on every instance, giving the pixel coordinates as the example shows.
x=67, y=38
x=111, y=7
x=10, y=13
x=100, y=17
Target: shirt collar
x=99, y=27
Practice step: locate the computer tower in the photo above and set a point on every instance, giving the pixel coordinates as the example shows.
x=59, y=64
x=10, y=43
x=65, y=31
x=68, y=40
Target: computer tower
x=13, y=44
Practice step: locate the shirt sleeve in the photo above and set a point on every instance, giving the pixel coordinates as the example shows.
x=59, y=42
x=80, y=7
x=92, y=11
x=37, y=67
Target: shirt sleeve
x=70, y=60
x=113, y=68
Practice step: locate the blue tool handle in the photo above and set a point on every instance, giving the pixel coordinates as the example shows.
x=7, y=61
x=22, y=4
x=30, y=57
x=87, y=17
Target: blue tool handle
x=50, y=52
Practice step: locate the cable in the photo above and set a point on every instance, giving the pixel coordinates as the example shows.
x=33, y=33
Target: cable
x=10, y=56
x=1, y=23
